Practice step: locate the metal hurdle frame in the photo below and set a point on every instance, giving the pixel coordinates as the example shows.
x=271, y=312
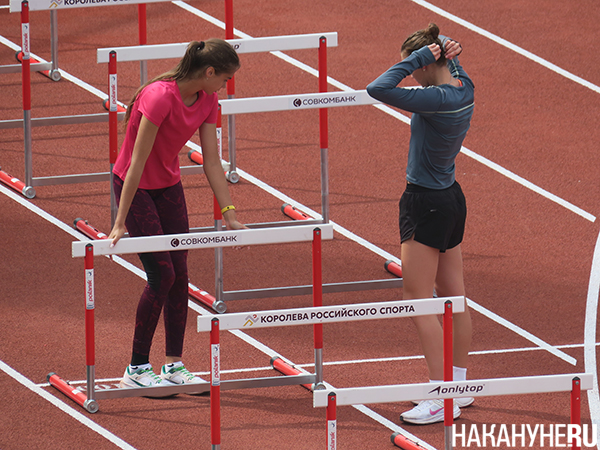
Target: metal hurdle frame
x=51, y=70
x=317, y=316
x=175, y=242
x=573, y=383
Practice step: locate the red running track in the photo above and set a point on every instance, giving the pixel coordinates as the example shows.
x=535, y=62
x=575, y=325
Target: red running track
x=528, y=258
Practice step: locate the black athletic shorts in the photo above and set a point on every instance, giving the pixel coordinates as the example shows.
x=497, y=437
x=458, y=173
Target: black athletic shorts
x=436, y=218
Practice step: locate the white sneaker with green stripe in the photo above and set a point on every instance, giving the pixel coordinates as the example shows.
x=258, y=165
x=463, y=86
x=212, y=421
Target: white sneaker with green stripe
x=140, y=376
x=176, y=373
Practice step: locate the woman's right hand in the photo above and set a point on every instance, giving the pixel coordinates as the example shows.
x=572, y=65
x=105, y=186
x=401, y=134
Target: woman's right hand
x=116, y=233
x=436, y=50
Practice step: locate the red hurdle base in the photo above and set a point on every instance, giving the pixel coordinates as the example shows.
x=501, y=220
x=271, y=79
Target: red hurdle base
x=196, y=157
x=17, y=185
x=401, y=441
x=91, y=232
x=105, y=104
x=206, y=299
x=280, y=365
x=74, y=394
x=293, y=213
x=32, y=60
x=393, y=268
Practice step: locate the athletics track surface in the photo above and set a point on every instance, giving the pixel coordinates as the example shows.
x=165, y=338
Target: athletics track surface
x=529, y=171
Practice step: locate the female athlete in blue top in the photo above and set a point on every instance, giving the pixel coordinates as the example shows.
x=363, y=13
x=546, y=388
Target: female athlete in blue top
x=433, y=208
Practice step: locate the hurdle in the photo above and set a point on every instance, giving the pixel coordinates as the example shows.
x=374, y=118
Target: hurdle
x=572, y=383
x=318, y=316
x=50, y=69
x=292, y=103
x=199, y=295
x=175, y=242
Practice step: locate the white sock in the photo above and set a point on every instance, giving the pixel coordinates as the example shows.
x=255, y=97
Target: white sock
x=459, y=373
x=175, y=364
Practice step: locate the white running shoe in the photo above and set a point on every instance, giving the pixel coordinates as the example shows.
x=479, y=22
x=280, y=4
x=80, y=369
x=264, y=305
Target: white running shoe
x=142, y=376
x=428, y=411
x=461, y=402
x=178, y=374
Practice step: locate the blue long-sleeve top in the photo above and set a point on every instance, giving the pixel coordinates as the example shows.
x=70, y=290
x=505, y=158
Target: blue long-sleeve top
x=441, y=117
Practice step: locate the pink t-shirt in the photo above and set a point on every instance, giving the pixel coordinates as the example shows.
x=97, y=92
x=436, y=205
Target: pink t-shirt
x=161, y=103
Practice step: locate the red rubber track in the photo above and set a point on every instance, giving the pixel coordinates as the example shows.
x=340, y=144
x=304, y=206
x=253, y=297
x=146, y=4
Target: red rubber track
x=527, y=258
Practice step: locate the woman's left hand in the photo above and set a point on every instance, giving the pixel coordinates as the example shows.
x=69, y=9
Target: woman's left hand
x=453, y=49
x=235, y=225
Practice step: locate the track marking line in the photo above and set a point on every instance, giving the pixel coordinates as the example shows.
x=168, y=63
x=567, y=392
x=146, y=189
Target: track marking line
x=468, y=152
x=64, y=407
x=591, y=320
x=515, y=48
x=345, y=363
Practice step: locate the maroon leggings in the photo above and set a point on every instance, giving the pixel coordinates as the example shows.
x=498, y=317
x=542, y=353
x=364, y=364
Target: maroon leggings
x=156, y=212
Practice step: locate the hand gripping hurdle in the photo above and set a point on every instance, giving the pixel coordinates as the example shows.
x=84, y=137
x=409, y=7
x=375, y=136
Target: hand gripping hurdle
x=317, y=316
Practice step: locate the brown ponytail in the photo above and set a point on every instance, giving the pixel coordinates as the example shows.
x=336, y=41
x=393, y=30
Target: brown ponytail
x=423, y=38
x=199, y=56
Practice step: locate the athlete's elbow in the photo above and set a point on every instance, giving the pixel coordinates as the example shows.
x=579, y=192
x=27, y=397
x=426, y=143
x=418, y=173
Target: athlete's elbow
x=375, y=91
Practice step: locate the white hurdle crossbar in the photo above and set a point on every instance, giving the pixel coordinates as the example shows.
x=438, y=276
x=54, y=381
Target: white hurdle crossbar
x=332, y=313
x=296, y=102
x=453, y=389
x=254, y=45
x=50, y=5
x=190, y=241
x=449, y=390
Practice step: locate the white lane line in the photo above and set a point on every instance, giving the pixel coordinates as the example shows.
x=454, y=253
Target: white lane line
x=64, y=407
x=521, y=332
x=591, y=321
x=404, y=119
x=515, y=48
x=340, y=229
x=346, y=363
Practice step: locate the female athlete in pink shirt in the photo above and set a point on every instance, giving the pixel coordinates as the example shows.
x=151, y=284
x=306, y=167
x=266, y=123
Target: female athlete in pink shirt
x=162, y=116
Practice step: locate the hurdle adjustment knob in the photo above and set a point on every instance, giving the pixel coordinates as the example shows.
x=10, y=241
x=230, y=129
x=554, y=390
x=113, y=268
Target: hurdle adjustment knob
x=91, y=406
x=232, y=176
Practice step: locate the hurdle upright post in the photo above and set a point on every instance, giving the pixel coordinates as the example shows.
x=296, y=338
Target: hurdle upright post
x=318, y=301
x=215, y=386
x=112, y=127
x=26, y=87
x=575, y=409
x=448, y=375
x=90, y=306
x=324, y=131
x=219, y=288
x=232, y=174
x=331, y=422
x=143, y=39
